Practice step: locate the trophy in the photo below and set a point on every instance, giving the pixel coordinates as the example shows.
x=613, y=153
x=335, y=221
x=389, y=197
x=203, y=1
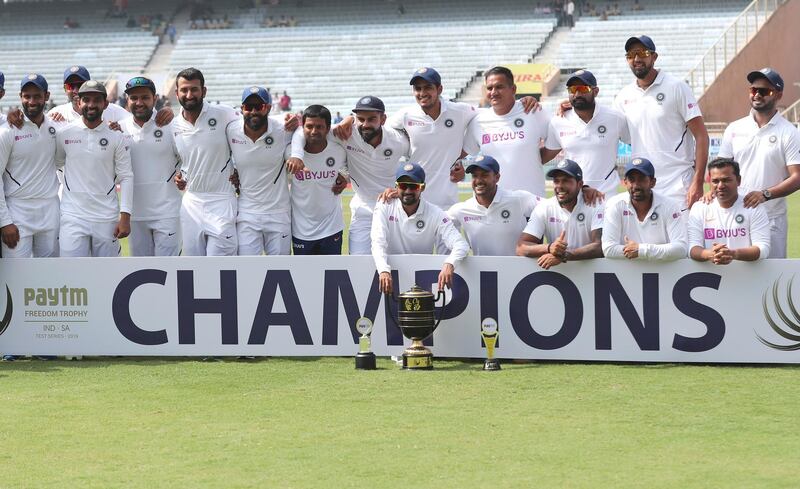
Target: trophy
x=489, y=332
x=416, y=320
x=365, y=359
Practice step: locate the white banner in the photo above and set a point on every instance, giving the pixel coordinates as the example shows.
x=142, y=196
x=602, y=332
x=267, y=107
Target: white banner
x=306, y=306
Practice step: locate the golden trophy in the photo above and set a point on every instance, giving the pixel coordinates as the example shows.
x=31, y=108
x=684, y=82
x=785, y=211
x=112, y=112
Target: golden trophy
x=416, y=319
x=489, y=332
x=365, y=359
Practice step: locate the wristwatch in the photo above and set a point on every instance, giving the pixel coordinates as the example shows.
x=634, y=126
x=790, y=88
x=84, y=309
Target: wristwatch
x=767, y=194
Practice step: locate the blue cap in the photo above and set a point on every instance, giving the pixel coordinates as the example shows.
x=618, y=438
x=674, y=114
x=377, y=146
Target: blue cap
x=370, y=104
x=644, y=40
x=484, y=162
x=35, y=79
x=641, y=165
x=412, y=171
x=770, y=75
x=140, y=81
x=569, y=167
x=2, y=80
x=427, y=74
x=583, y=76
x=259, y=92
x=77, y=70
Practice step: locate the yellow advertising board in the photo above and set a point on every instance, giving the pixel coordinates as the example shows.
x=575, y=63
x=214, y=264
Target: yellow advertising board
x=534, y=78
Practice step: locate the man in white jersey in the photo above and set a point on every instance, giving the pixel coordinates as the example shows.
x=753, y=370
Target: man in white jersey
x=258, y=143
x=74, y=78
x=589, y=133
x=494, y=217
x=317, y=220
x=665, y=123
x=29, y=206
x=208, y=207
x=95, y=159
x=642, y=223
x=573, y=229
x=767, y=147
x=155, y=223
x=508, y=133
x=411, y=225
x=725, y=229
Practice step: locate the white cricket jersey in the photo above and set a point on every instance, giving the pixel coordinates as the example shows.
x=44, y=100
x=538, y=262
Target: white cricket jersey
x=27, y=163
x=737, y=226
x=436, y=145
x=593, y=144
x=494, y=230
x=549, y=219
x=113, y=113
x=661, y=235
x=154, y=164
x=657, y=117
x=264, y=183
x=396, y=233
x=316, y=210
x=203, y=149
x=2, y=119
x=94, y=161
x=763, y=153
x=513, y=140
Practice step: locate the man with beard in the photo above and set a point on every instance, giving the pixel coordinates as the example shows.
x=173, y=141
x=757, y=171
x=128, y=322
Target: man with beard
x=411, y=225
x=29, y=206
x=642, y=223
x=665, y=123
x=74, y=78
x=155, y=225
x=767, y=147
x=258, y=143
x=588, y=134
x=573, y=229
x=208, y=209
x=94, y=159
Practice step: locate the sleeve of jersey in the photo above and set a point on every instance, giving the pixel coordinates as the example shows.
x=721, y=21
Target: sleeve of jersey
x=624, y=130
x=612, y=233
x=379, y=236
x=453, y=239
x=472, y=144
x=298, y=145
x=552, y=141
x=759, y=232
x=124, y=171
x=454, y=216
x=726, y=146
x=791, y=150
x=676, y=248
x=61, y=155
x=690, y=107
x=396, y=121
x=5, y=154
x=694, y=228
x=536, y=224
x=597, y=217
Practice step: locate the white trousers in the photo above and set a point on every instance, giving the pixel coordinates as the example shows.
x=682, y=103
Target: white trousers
x=160, y=237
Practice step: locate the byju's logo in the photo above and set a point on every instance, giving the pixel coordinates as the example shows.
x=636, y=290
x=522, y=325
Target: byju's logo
x=9, y=312
x=791, y=326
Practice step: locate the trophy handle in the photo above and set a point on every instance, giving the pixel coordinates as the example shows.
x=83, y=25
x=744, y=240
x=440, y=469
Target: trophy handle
x=441, y=314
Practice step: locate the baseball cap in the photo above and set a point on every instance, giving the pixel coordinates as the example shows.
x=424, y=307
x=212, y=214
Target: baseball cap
x=771, y=76
x=412, y=171
x=370, y=103
x=140, y=81
x=35, y=79
x=569, y=167
x=644, y=40
x=77, y=70
x=642, y=165
x=484, y=162
x=2, y=80
x=427, y=74
x=259, y=92
x=92, y=86
x=584, y=76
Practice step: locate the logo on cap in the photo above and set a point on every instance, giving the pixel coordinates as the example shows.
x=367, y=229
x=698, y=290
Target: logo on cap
x=421, y=71
x=104, y=142
x=602, y=129
x=330, y=161
x=739, y=218
x=52, y=130
x=505, y=214
x=660, y=97
x=580, y=217
x=562, y=164
x=31, y=77
x=253, y=89
x=420, y=224
x=654, y=216
x=408, y=167
x=448, y=123
x=579, y=72
x=366, y=100
x=269, y=140
x=212, y=122
x=637, y=161
x=387, y=152
x=773, y=139
x=74, y=69
x=519, y=122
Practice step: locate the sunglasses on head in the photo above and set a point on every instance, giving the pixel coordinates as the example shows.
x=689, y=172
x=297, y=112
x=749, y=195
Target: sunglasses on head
x=642, y=53
x=764, y=92
x=73, y=86
x=573, y=89
x=410, y=185
x=254, y=107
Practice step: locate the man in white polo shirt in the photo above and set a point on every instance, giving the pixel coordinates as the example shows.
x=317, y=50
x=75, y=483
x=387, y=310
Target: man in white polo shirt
x=725, y=229
x=767, y=148
x=494, y=217
x=258, y=143
x=208, y=208
x=665, y=123
x=155, y=224
x=94, y=159
x=573, y=229
x=642, y=223
x=411, y=225
x=29, y=206
x=590, y=134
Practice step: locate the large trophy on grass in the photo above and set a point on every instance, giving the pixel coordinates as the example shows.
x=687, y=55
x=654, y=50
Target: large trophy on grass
x=416, y=319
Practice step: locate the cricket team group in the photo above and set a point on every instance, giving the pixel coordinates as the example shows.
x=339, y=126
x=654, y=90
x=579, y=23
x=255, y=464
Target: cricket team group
x=214, y=180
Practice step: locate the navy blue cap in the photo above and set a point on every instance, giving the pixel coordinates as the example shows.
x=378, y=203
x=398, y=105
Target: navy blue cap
x=77, y=70
x=644, y=40
x=140, y=81
x=567, y=166
x=427, y=74
x=370, y=103
x=770, y=75
x=35, y=79
x=2, y=80
x=641, y=165
x=584, y=76
x=259, y=92
x=484, y=162
x=412, y=171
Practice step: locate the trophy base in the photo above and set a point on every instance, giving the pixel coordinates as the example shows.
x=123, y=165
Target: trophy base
x=417, y=357
x=491, y=364
x=365, y=361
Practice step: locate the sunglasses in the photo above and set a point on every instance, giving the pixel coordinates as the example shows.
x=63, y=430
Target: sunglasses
x=254, y=107
x=764, y=92
x=642, y=53
x=573, y=89
x=408, y=185
x=73, y=86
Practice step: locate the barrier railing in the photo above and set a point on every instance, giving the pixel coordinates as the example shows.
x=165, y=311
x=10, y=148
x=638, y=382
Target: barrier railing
x=792, y=113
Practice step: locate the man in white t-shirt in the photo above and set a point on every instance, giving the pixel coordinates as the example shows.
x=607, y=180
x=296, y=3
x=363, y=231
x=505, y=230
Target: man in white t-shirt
x=665, y=123
x=411, y=225
x=767, y=147
x=641, y=223
x=725, y=230
x=572, y=228
x=494, y=217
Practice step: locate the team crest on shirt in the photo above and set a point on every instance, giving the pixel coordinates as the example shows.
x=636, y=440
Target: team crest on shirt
x=269, y=140
x=448, y=123
x=773, y=139
x=601, y=129
x=387, y=152
x=330, y=161
x=519, y=123
x=103, y=142
x=660, y=97
x=580, y=217
x=739, y=218
x=420, y=224
x=51, y=130
x=505, y=214
x=158, y=133
x=654, y=216
x=212, y=122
